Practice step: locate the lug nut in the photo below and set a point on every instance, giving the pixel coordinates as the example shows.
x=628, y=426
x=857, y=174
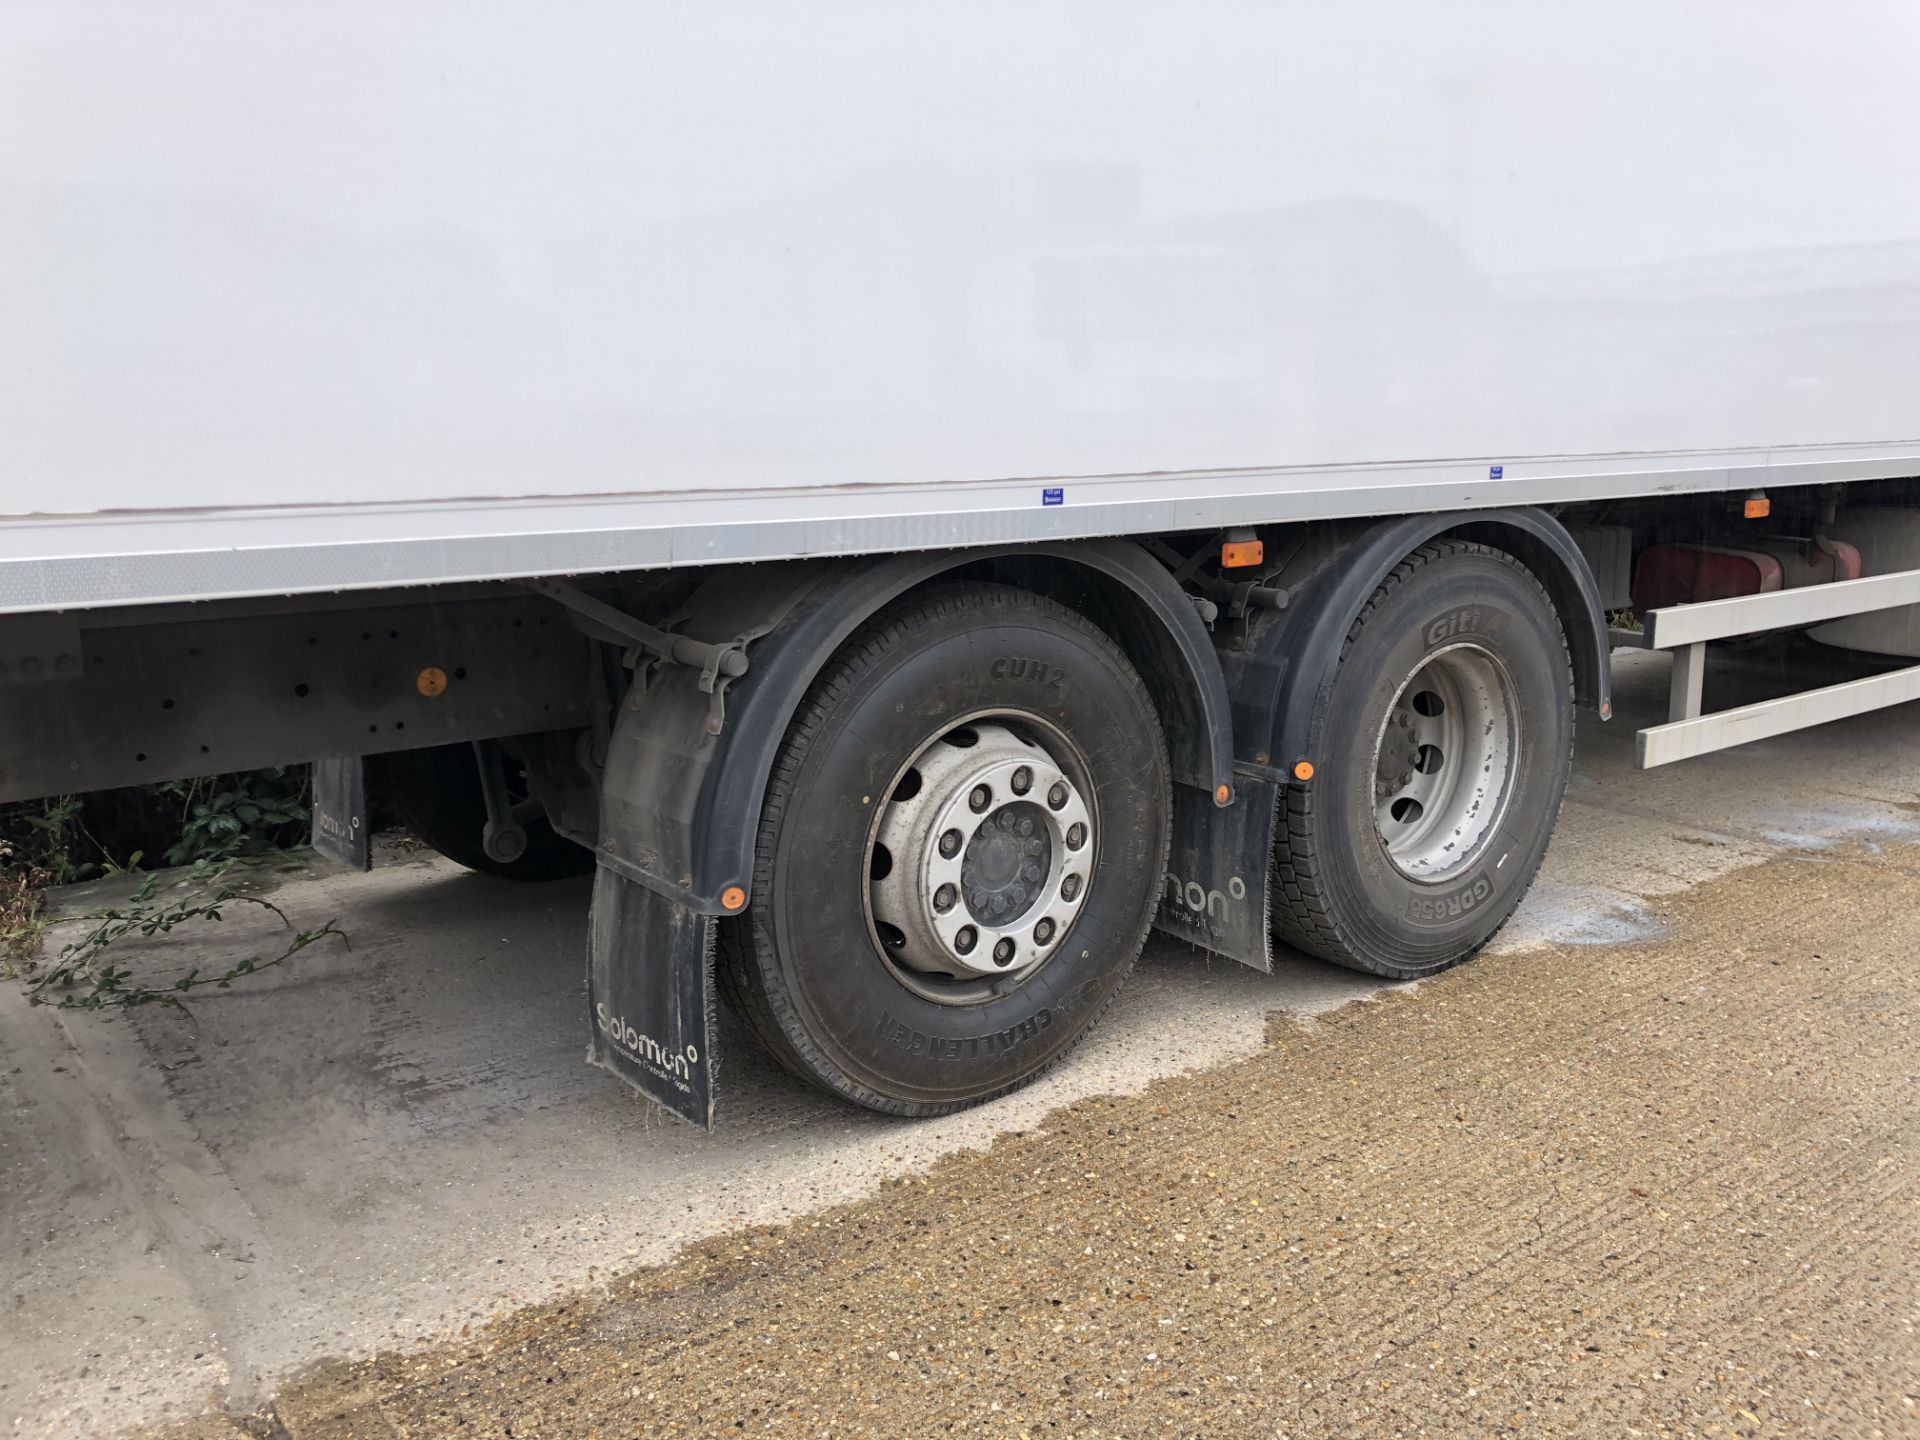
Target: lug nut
x=1006, y=819
x=950, y=844
x=1043, y=931
x=1057, y=796
x=980, y=798
x=1034, y=845
x=1022, y=780
x=1032, y=872
x=1069, y=887
x=978, y=901
x=966, y=939
x=944, y=897
x=1076, y=835
x=1003, y=953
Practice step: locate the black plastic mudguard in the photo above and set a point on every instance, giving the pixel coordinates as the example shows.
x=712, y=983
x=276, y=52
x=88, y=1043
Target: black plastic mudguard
x=1280, y=680
x=680, y=804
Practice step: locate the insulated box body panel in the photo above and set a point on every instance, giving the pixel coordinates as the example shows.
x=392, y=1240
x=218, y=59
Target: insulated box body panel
x=364, y=295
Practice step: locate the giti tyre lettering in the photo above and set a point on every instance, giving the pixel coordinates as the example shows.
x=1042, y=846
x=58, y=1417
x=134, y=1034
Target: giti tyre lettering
x=1472, y=620
x=672, y=1065
x=1439, y=909
x=963, y=1047
x=1019, y=667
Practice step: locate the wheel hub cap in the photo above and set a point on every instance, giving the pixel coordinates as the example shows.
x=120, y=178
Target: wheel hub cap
x=1444, y=762
x=1005, y=862
x=982, y=856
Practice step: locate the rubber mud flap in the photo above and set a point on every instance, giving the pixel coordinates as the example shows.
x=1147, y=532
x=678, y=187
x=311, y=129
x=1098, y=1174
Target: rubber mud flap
x=650, y=995
x=1215, y=891
x=340, y=828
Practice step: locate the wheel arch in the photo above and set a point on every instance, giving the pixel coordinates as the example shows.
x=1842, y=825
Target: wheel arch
x=680, y=806
x=1303, y=647
x=1544, y=546
x=1132, y=597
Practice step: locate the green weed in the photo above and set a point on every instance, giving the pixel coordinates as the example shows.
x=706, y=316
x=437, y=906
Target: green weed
x=86, y=975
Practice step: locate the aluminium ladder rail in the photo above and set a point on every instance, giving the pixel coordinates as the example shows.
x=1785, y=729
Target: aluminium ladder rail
x=1686, y=629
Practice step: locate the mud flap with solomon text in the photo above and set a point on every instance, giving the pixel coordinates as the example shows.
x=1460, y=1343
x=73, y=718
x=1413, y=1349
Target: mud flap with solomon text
x=1215, y=891
x=650, y=995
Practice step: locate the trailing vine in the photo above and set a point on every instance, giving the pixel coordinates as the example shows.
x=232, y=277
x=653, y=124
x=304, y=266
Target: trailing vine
x=87, y=976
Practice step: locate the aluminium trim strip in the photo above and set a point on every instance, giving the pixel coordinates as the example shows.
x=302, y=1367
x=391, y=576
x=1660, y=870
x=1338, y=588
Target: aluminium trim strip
x=1682, y=740
x=1679, y=625
x=258, y=553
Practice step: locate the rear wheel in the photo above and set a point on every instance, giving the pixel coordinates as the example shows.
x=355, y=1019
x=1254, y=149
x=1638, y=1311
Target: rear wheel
x=958, y=853
x=1453, y=715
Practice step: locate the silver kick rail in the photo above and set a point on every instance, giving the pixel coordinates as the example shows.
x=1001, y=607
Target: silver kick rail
x=1686, y=629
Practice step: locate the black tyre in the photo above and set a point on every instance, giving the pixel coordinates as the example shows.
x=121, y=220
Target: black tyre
x=959, y=853
x=437, y=794
x=1452, y=713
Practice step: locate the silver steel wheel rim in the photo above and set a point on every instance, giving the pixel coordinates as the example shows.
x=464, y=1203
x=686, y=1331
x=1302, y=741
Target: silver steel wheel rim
x=1443, y=762
x=981, y=859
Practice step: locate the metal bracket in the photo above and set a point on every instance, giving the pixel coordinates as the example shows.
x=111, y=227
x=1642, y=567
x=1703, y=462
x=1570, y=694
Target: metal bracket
x=719, y=664
x=1689, y=682
x=1251, y=593
x=504, y=838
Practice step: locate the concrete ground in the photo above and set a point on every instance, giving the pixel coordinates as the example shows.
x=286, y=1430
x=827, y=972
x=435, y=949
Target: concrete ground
x=368, y=1152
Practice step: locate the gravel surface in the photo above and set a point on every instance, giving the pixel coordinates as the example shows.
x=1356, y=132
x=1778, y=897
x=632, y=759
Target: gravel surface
x=1662, y=1188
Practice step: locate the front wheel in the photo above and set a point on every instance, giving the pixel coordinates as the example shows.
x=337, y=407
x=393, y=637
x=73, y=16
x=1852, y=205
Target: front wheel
x=1452, y=710
x=958, y=854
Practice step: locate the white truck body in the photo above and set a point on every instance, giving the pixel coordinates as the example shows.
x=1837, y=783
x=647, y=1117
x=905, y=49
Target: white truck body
x=314, y=298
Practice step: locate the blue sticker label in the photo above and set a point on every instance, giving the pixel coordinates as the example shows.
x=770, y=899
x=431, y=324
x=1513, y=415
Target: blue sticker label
x=1053, y=495
x=1494, y=471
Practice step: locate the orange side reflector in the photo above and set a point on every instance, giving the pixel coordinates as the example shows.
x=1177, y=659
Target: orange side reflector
x=1303, y=769
x=1758, y=507
x=1222, y=794
x=732, y=898
x=431, y=682
x=1237, y=553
